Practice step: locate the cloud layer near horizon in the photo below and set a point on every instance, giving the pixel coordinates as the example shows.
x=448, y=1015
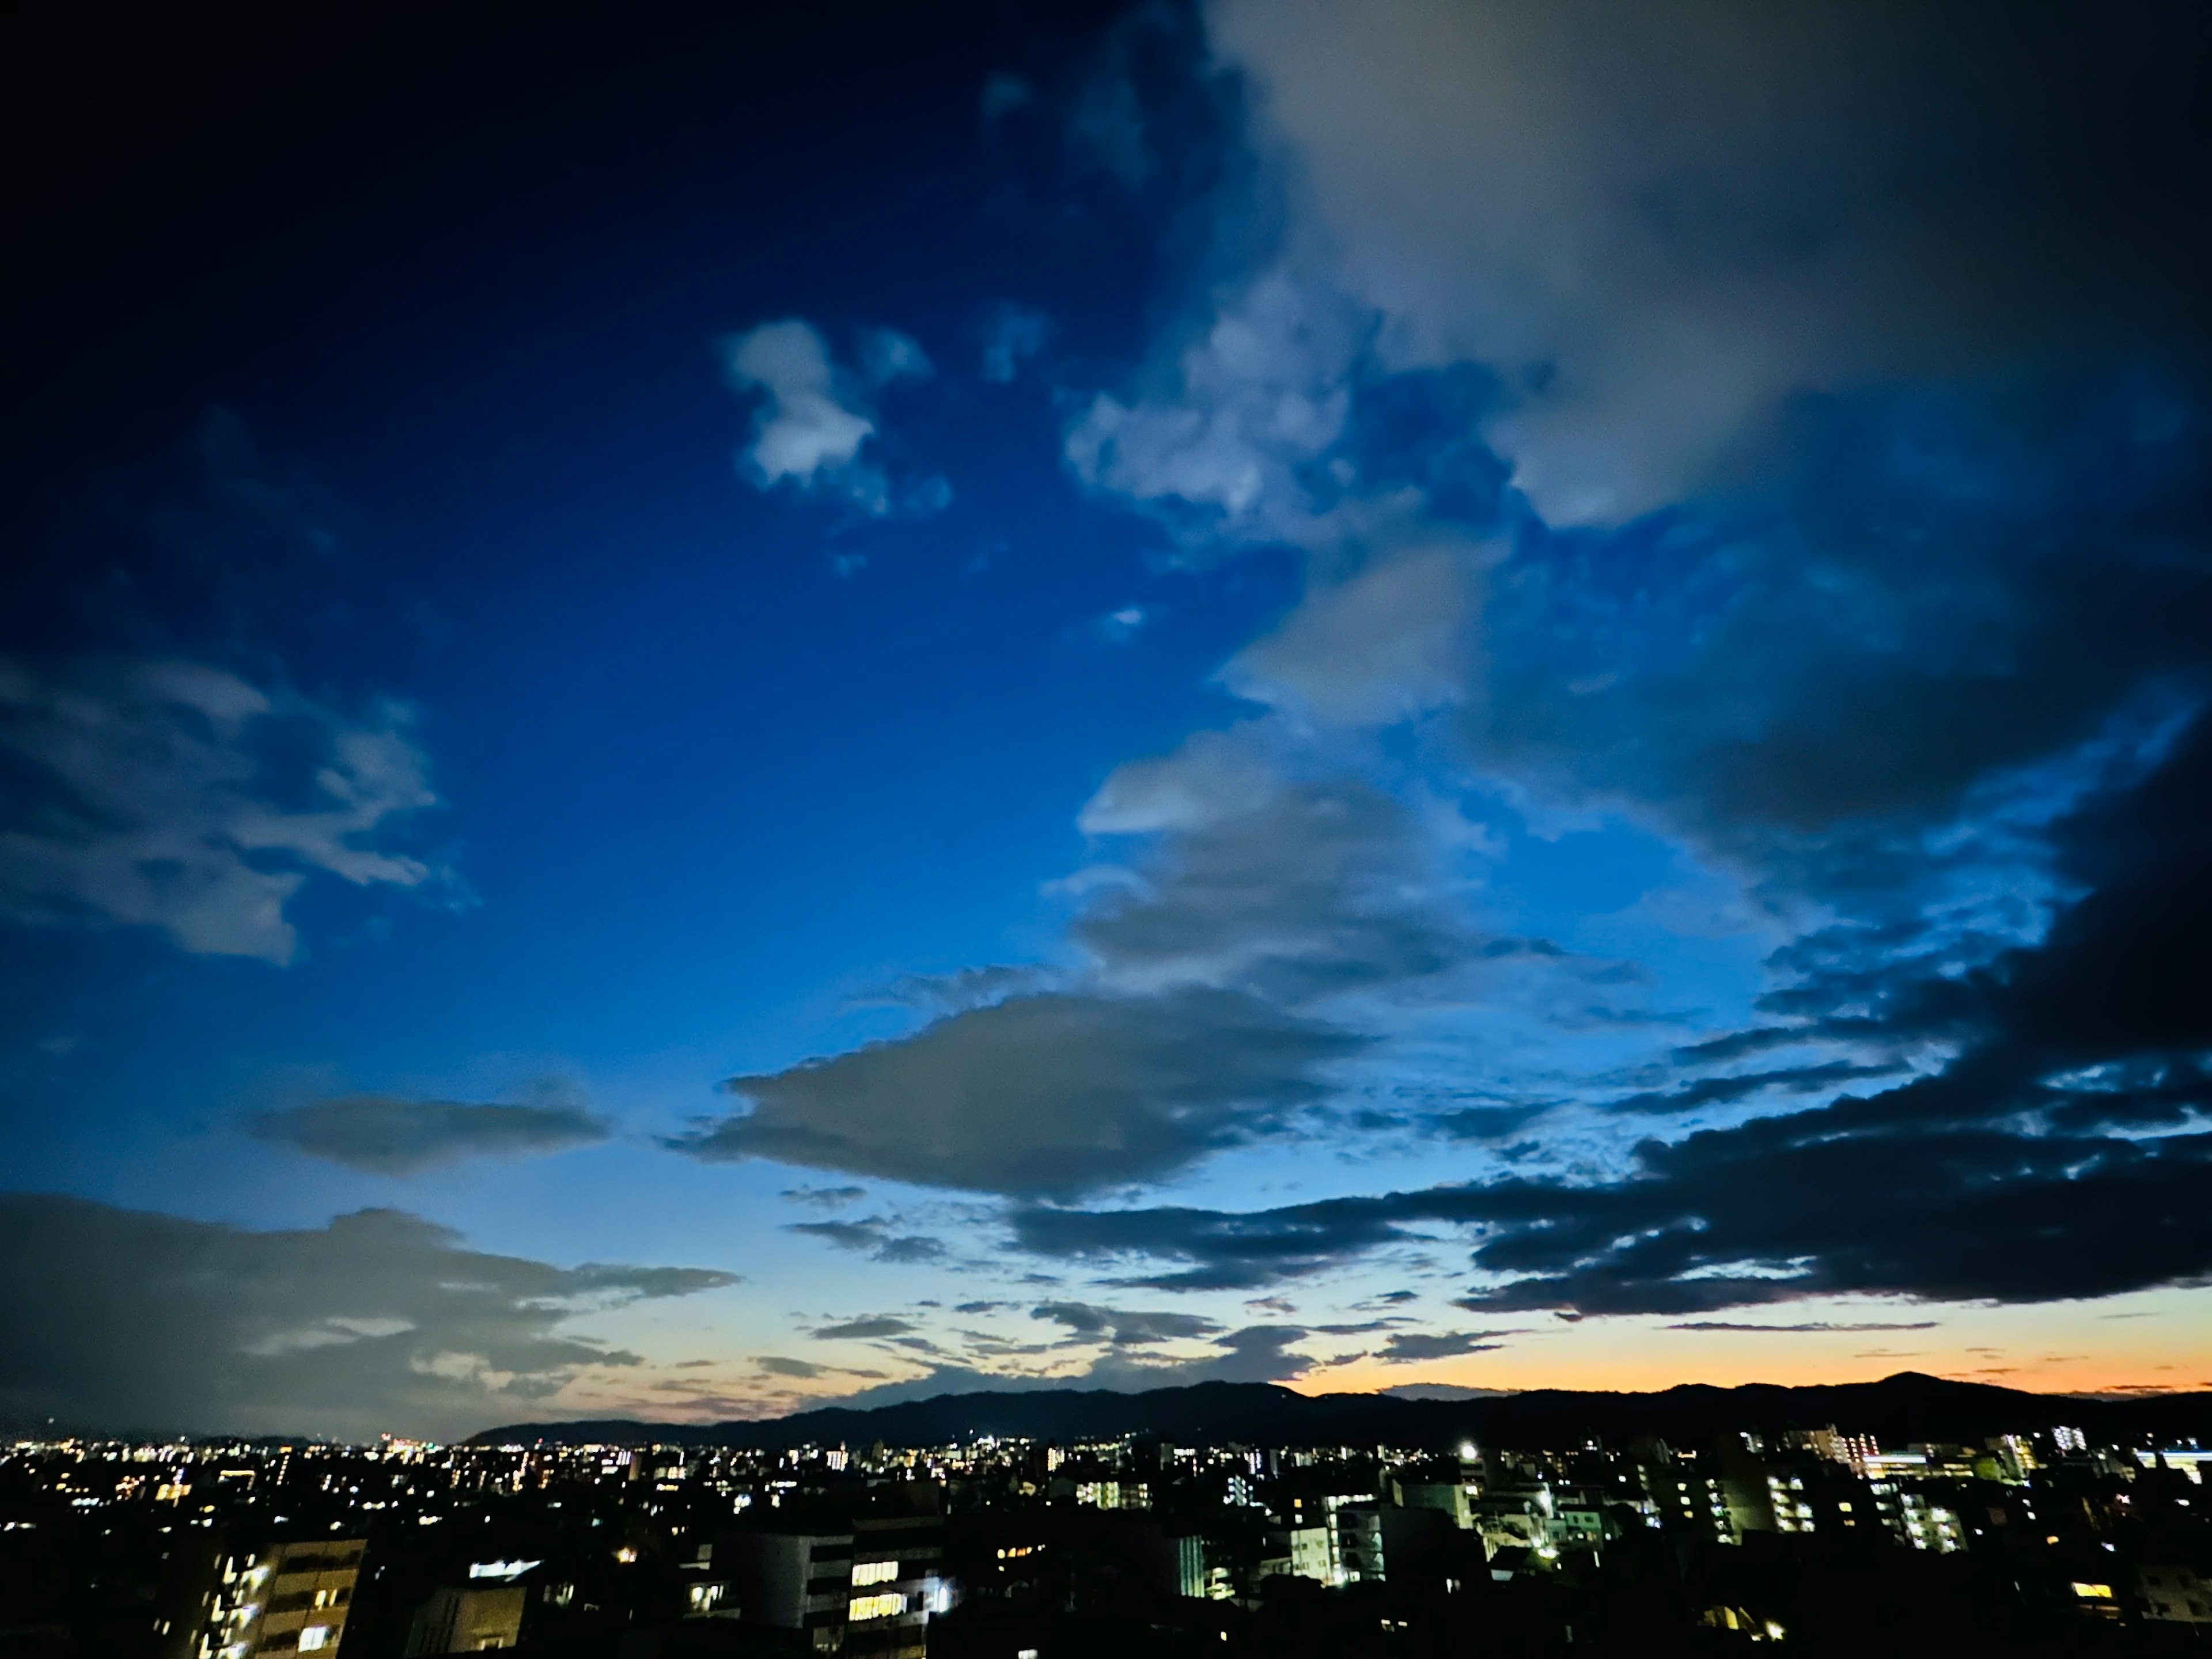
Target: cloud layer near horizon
x=120, y=1318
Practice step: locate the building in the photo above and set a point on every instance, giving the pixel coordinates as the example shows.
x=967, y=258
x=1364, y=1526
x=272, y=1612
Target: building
x=2173, y=1595
x=1683, y=1499
x=1453, y=1497
x=286, y=1599
x=1915, y=1518
x=1296, y=1553
x=865, y=1583
x=1355, y=1540
x=2191, y=1460
x=472, y=1619
x=1112, y=1494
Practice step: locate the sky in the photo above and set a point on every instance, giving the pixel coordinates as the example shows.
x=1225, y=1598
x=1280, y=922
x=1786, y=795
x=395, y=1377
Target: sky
x=701, y=715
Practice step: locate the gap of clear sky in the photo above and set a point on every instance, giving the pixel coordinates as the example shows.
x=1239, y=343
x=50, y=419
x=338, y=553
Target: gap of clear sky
x=699, y=716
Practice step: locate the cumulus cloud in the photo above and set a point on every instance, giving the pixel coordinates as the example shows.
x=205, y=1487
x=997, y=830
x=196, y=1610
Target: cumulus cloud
x=1220, y=452
x=814, y=419
x=1660, y=225
x=175, y=795
x=380, y=1321
x=387, y=1134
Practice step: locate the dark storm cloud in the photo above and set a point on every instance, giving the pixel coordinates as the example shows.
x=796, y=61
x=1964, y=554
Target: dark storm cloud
x=386, y=1135
x=380, y=1321
x=1050, y=1094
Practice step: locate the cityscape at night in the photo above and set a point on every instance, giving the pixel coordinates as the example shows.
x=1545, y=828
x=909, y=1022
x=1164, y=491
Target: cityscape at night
x=1046, y=828
x=2062, y=1540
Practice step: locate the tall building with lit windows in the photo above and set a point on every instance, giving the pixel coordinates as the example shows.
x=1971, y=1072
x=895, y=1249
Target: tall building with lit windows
x=859, y=1584
x=288, y=1598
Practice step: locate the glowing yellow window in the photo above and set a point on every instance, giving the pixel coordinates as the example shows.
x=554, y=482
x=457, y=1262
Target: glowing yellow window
x=873, y=1573
x=863, y=1608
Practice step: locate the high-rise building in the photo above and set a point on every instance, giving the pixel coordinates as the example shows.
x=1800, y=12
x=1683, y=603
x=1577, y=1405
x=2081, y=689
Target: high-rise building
x=289, y=1598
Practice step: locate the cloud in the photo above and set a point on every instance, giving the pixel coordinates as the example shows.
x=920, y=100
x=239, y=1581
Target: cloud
x=1014, y=335
x=2060, y=1153
x=813, y=421
x=174, y=795
x=1407, y=1346
x=1386, y=646
x=1259, y=399
x=1714, y=1090
x=1810, y=1328
x=873, y=1328
x=1003, y=92
x=1662, y=225
x=1316, y=889
x=1255, y=1353
x=777, y=1365
x=872, y=1237
x=386, y=1135
x=1119, y=627
x=886, y=355
x=1055, y=1093
x=380, y=1321
x=828, y=1198
x=1124, y=1328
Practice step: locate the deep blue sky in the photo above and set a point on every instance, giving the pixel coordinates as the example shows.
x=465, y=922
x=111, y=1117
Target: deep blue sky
x=1435, y=687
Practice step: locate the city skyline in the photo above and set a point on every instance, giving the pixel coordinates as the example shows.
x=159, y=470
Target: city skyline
x=701, y=716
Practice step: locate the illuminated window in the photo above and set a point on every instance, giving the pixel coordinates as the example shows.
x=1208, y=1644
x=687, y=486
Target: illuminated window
x=2087, y=1592
x=873, y=1573
x=865, y=1607
x=315, y=1635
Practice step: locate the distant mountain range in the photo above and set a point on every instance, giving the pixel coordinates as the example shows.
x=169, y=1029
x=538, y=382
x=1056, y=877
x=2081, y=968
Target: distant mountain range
x=1906, y=1406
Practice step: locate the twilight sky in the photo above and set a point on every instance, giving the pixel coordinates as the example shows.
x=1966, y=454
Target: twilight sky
x=698, y=714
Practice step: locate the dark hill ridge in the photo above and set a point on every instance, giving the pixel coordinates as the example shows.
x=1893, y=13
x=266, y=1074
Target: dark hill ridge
x=1906, y=1406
